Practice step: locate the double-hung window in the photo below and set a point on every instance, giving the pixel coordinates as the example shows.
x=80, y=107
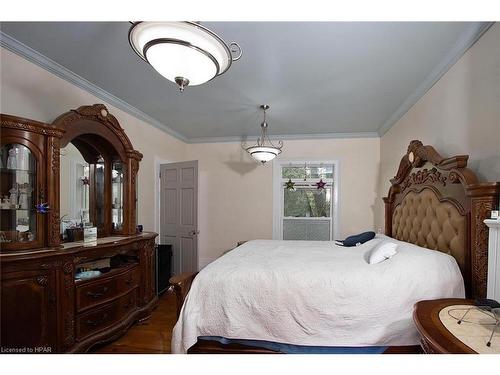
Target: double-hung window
x=305, y=200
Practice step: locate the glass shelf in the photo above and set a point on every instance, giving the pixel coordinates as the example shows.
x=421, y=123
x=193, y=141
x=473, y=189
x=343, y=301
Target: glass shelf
x=12, y=171
x=18, y=167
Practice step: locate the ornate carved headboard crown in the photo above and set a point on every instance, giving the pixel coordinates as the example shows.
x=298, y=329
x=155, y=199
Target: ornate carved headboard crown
x=438, y=203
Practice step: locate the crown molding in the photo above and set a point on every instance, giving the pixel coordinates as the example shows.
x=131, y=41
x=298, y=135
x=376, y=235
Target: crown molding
x=464, y=43
x=28, y=53
x=468, y=38
x=289, y=137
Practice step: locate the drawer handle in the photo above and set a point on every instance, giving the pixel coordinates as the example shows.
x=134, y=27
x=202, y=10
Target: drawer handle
x=95, y=323
x=129, y=303
x=98, y=294
x=129, y=281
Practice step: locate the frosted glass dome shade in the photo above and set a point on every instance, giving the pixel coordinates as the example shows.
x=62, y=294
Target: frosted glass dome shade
x=263, y=153
x=175, y=60
x=182, y=50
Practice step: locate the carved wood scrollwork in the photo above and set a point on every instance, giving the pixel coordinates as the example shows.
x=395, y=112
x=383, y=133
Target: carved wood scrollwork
x=69, y=315
x=481, y=209
x=13, y=122
x=423, y=176
x=50, y=265
x=42, y=280
x=52, y=196
x=68, y=268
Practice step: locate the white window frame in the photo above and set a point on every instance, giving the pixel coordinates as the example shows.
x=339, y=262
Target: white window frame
x=278, y=193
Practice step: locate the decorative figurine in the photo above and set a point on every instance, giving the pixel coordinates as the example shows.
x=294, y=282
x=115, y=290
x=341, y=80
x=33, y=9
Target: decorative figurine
x=12, y=159
x=13, y=196
x=321, y=184
x=5, y=203
x=85, y=180
x=42, y=208
x=24, y=190
x=290, y=185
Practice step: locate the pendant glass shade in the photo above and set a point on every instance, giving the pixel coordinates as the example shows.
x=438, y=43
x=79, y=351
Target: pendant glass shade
x=264, y=150
x=263, y=154
x=183, y=52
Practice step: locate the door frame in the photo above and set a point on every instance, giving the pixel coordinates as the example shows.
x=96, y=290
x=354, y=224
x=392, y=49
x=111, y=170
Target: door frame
x=278, y=193
x=158, y=163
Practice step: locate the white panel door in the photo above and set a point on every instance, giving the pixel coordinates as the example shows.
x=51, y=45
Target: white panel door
x=179, y=213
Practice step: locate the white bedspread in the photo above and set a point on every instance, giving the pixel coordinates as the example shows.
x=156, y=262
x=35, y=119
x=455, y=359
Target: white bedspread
x=314, y=293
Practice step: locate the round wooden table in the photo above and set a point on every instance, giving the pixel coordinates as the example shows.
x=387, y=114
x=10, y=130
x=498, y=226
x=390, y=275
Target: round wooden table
x=435, y=338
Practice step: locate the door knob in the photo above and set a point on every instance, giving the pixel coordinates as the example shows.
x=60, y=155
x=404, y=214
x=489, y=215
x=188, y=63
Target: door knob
x=194, y=232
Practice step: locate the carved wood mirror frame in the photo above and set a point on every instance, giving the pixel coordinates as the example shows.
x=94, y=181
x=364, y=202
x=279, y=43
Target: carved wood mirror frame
x=94, y=125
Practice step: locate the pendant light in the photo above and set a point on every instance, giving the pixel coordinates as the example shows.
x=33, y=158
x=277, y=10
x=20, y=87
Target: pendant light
x=264, y=150
x=183, y=52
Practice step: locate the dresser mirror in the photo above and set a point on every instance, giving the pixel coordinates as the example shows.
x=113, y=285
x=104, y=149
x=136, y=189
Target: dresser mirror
x=98, y=169
x=74, y=181
x=91, y=187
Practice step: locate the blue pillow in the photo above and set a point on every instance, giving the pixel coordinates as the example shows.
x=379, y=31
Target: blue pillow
x=356, y=239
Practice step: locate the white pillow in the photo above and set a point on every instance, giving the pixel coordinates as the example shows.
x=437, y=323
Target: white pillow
x=383, y=251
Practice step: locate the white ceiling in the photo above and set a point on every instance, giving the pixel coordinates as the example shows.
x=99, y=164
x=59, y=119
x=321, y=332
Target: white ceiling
x=320, y=78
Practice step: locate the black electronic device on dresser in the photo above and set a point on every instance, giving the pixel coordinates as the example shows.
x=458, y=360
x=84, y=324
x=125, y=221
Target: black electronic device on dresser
x=163, y=267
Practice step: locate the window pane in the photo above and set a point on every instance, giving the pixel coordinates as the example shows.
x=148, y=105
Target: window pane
x=309, y=171
x=324, y=171
x=310, y=230
x=307, y=202
x=293, y=172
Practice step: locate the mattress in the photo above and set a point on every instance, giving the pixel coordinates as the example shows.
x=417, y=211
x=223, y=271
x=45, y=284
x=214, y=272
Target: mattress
x=312, y=293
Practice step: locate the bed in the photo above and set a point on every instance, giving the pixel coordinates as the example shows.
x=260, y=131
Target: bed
x=270, y=296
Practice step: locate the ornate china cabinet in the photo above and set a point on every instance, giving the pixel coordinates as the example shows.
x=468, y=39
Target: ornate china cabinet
x=57, y=295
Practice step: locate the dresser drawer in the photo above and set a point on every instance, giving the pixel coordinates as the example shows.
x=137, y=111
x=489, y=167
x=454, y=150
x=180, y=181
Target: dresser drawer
x=105, y=316
x=106, y=288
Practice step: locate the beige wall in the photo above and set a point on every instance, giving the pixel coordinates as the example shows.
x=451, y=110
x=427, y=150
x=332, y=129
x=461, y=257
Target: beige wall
x=236, y=193
x=460, y=114
x=32, y=92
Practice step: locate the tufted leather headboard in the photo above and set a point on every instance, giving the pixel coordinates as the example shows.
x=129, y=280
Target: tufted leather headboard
x=423, y=220
x=438, y=204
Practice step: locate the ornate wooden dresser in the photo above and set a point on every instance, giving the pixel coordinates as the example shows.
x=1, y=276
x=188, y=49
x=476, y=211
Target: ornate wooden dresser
x=56, y=295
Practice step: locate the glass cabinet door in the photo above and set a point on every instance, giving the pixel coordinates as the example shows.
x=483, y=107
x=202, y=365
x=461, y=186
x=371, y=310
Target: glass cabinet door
x=117, y=196
x=18, y=221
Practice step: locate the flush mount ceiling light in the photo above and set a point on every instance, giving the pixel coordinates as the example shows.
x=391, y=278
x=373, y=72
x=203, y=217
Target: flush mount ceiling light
x=183, y=52
x=264, y=150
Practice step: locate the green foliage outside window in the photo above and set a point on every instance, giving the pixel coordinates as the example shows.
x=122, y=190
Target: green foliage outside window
x=307, y=202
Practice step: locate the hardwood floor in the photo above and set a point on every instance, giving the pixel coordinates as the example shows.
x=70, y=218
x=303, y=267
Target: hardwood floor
x=149, y=337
